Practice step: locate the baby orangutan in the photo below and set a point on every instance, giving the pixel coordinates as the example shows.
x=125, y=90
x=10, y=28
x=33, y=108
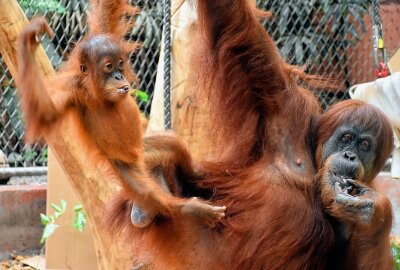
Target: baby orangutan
x=94, y=84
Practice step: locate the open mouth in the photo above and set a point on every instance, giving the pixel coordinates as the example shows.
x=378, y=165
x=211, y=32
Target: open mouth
x=341, y=182
x=123, y=89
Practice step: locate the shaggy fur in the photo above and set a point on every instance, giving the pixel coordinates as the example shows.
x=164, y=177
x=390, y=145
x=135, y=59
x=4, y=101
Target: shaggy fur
x=358, y=244
x=94, y=86
x=264, y=171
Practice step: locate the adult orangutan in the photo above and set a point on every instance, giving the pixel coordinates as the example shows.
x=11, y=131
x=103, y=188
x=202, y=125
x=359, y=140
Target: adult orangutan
x=353, y=141
x=265, y=172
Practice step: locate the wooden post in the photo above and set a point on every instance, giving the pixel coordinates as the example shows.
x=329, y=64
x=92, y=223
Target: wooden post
x=190, y=119
x=87, y=179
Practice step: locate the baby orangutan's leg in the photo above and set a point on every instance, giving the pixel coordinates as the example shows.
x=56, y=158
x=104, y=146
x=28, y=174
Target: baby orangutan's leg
x=166, y=157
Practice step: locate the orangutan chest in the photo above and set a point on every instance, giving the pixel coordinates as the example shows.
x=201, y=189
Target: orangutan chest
x=115, y=136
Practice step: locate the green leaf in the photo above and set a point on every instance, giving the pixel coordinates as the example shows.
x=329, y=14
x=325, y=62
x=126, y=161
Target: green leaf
x=78, y=207
x=43, y=155
x=63, y=205
x=80, y=220
x=43, y=6
x=58, y=214
x=29, y=154
x=61, y=9
x=396, y=255
x=56, y=207
x=142, y=96
x=45, y=219
x=48, y=230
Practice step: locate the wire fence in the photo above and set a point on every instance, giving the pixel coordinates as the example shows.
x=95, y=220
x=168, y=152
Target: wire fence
x=68, y=20
x=332, y=37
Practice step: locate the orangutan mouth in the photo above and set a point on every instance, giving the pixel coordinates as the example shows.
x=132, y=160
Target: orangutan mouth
x=123, y=90
x=342, y=183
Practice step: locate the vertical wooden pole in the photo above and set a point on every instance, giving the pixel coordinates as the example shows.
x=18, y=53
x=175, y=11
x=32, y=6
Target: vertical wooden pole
x=190, y=119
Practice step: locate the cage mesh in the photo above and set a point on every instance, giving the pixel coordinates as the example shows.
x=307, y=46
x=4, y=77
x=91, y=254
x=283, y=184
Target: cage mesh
x=329, y=37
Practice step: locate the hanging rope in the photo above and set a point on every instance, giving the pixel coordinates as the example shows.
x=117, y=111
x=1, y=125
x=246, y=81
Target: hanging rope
x=167, y=64
x=380, y=57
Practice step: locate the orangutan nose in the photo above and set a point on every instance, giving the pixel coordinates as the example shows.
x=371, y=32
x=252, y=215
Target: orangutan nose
x=349, y=155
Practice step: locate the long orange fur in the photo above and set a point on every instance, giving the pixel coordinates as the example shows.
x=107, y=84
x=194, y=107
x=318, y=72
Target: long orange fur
x=368, y=245
x=111, y=121
x=261, y=120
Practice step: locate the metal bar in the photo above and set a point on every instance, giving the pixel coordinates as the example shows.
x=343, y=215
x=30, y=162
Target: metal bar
x=21, y=171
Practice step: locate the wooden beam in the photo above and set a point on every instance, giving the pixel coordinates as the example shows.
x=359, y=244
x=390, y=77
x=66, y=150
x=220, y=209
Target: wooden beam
x=86, y=178
x=12, y=21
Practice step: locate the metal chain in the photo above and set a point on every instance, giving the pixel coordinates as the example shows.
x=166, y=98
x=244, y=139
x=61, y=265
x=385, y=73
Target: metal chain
x=167, y=64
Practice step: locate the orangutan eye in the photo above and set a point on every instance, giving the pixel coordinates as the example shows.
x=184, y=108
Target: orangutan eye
x=347, y=138
x=108, y=67
x=364, y=144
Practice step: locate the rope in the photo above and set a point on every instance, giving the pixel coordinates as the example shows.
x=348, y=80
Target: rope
x=167, y=64
x=376, y=17
x=377, y=36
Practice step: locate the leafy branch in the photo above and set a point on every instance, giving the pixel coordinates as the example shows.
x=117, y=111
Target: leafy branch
x=49, y=222
x=42, y=6
x=396, y=254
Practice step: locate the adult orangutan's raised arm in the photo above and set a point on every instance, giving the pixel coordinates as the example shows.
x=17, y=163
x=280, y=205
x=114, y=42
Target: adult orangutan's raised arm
x=245, y=80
